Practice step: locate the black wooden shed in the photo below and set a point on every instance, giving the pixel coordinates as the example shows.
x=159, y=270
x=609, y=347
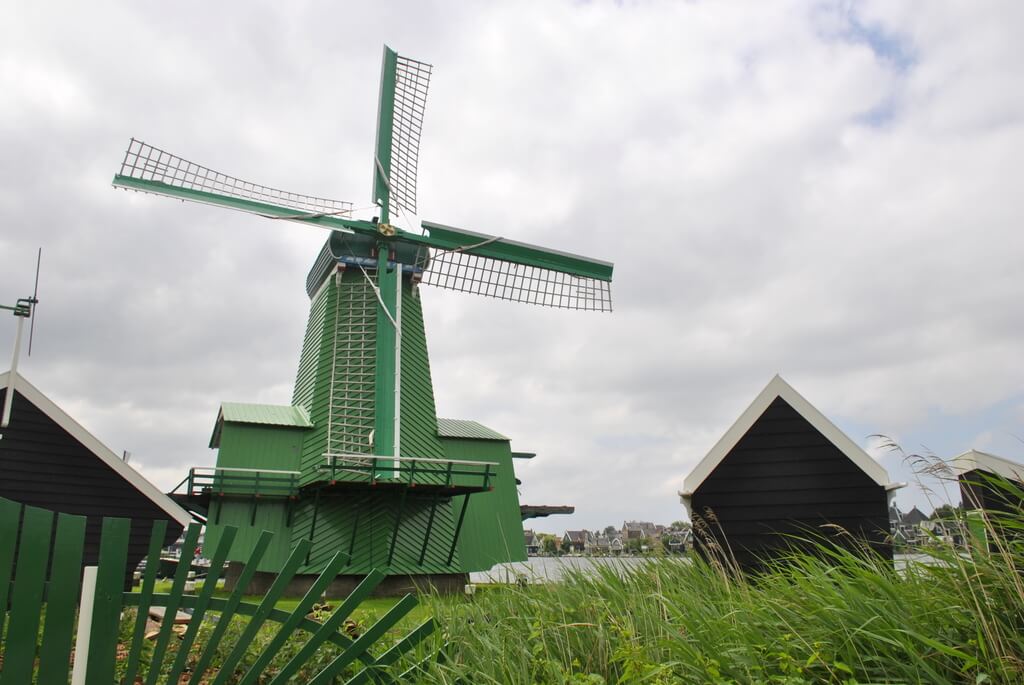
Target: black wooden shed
x=48, y=460
x=781, y=474
x=993, y=485
x=989, y=482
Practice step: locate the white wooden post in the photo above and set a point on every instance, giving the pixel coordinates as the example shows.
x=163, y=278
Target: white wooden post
x=85, y=606
x=5, y=419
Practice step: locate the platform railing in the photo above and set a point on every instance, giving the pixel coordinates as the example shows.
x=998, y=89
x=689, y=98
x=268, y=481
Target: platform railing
x=221, y=481
x=409, y=471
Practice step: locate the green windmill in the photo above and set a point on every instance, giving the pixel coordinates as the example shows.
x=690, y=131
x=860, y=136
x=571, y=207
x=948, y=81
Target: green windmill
x=359, y=461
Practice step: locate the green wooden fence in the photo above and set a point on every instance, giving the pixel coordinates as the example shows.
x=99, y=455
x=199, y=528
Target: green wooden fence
x=42, y=640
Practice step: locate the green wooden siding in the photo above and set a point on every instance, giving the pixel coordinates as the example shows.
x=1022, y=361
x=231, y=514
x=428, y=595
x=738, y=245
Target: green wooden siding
x=311, y=346
x=253, y=446
x=338, y=376
x=371, y=514
x=270, y=515
x=493, y=530
x=419, y=416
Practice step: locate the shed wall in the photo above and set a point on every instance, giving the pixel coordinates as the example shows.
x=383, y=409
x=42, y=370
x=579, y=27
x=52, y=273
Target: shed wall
x=784, y=478
x=42, y=465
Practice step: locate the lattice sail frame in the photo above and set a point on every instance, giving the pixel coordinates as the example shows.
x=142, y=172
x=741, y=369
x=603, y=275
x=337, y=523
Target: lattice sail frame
x=470, y=273
x=412, y=79
x=148, y=163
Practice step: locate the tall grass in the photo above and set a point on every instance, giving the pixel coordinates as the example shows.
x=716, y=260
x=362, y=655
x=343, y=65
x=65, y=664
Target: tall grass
x=831, y=616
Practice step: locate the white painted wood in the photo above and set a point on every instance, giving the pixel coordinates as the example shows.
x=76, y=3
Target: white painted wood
x=84, y=632
x=975, y=459
x=9, y=394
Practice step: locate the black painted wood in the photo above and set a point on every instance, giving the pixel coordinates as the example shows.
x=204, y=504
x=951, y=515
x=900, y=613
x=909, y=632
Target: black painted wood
x=782, y=484
x=42, y=465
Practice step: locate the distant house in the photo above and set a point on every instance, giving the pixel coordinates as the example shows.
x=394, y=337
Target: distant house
x=532, y=543
x=783, y=473
x=601, y=544
x=907, y=528
x=575, y=541
x=637, y=530
x=677, y=541
x=49, y=460
x=914, y=517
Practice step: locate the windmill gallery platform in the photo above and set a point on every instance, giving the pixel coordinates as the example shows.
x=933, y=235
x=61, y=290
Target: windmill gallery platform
x=359, y=463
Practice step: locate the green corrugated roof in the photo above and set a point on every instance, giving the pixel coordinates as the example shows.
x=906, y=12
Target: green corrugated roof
x=460, y=428
x=267, y=414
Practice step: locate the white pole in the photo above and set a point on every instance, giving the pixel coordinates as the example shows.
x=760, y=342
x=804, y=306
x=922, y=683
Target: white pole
x=398, y=368
x=84, y=626
x=9, y=395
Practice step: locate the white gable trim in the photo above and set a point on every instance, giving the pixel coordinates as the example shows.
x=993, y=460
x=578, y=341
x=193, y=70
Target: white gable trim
x=104, y=453
x=975, y=459
x=780, y=388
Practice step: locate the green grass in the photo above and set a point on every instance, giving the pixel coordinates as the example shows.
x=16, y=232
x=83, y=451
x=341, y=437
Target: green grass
x=376, y=606
x=831, y=617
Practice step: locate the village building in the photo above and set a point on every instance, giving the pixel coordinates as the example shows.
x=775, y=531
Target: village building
x=532, y=543
x=576, y=541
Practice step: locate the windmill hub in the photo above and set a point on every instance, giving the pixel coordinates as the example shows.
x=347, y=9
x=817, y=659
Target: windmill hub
x=386, y=230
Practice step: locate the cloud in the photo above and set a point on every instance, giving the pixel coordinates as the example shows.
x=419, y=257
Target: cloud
x=825, y=191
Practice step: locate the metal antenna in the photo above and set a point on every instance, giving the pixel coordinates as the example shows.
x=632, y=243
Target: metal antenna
x=35, y=300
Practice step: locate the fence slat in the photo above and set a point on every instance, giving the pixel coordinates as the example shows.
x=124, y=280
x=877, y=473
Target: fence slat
x=61, y=599
x=394, y=654
x=173, y=602
x=106, y=613
x=277, y=588
x=10, y=514
x=203, y=601
x=27, y=600
x=330, y=627
x=288, y=627
x=228, y=610
x=375, y=632
x=156, y=543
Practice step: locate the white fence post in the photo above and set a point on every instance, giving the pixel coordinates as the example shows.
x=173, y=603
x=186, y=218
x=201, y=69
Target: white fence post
x=84, y=626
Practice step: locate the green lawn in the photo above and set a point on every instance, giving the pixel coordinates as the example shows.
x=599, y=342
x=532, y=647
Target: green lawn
x=373, y=607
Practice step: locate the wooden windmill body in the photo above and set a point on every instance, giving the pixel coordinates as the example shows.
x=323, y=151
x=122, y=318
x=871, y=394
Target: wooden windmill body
x=359, y=461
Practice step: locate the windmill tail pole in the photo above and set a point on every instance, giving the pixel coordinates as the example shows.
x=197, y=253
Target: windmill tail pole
x=9, y=394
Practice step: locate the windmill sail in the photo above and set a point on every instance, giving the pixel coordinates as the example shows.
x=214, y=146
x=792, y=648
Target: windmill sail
x=151, y=170
x=480, y=264
x=403, y=100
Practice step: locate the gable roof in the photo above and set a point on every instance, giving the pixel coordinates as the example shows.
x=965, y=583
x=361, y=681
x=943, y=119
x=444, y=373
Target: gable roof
x=284, y=415
x=913, y=517
x=778, y=388
x=974, y=459
x=471, y=430
x=101, y=451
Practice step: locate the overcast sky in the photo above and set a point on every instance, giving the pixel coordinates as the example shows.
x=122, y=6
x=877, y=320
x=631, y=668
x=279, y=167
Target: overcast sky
x=826, y=190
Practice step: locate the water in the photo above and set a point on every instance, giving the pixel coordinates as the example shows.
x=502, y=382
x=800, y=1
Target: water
x=552, y=569
x=548, y=569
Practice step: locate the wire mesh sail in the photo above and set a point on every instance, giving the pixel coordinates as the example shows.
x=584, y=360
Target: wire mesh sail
x=469, y=273
x=412, y=79
x=147, y=163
